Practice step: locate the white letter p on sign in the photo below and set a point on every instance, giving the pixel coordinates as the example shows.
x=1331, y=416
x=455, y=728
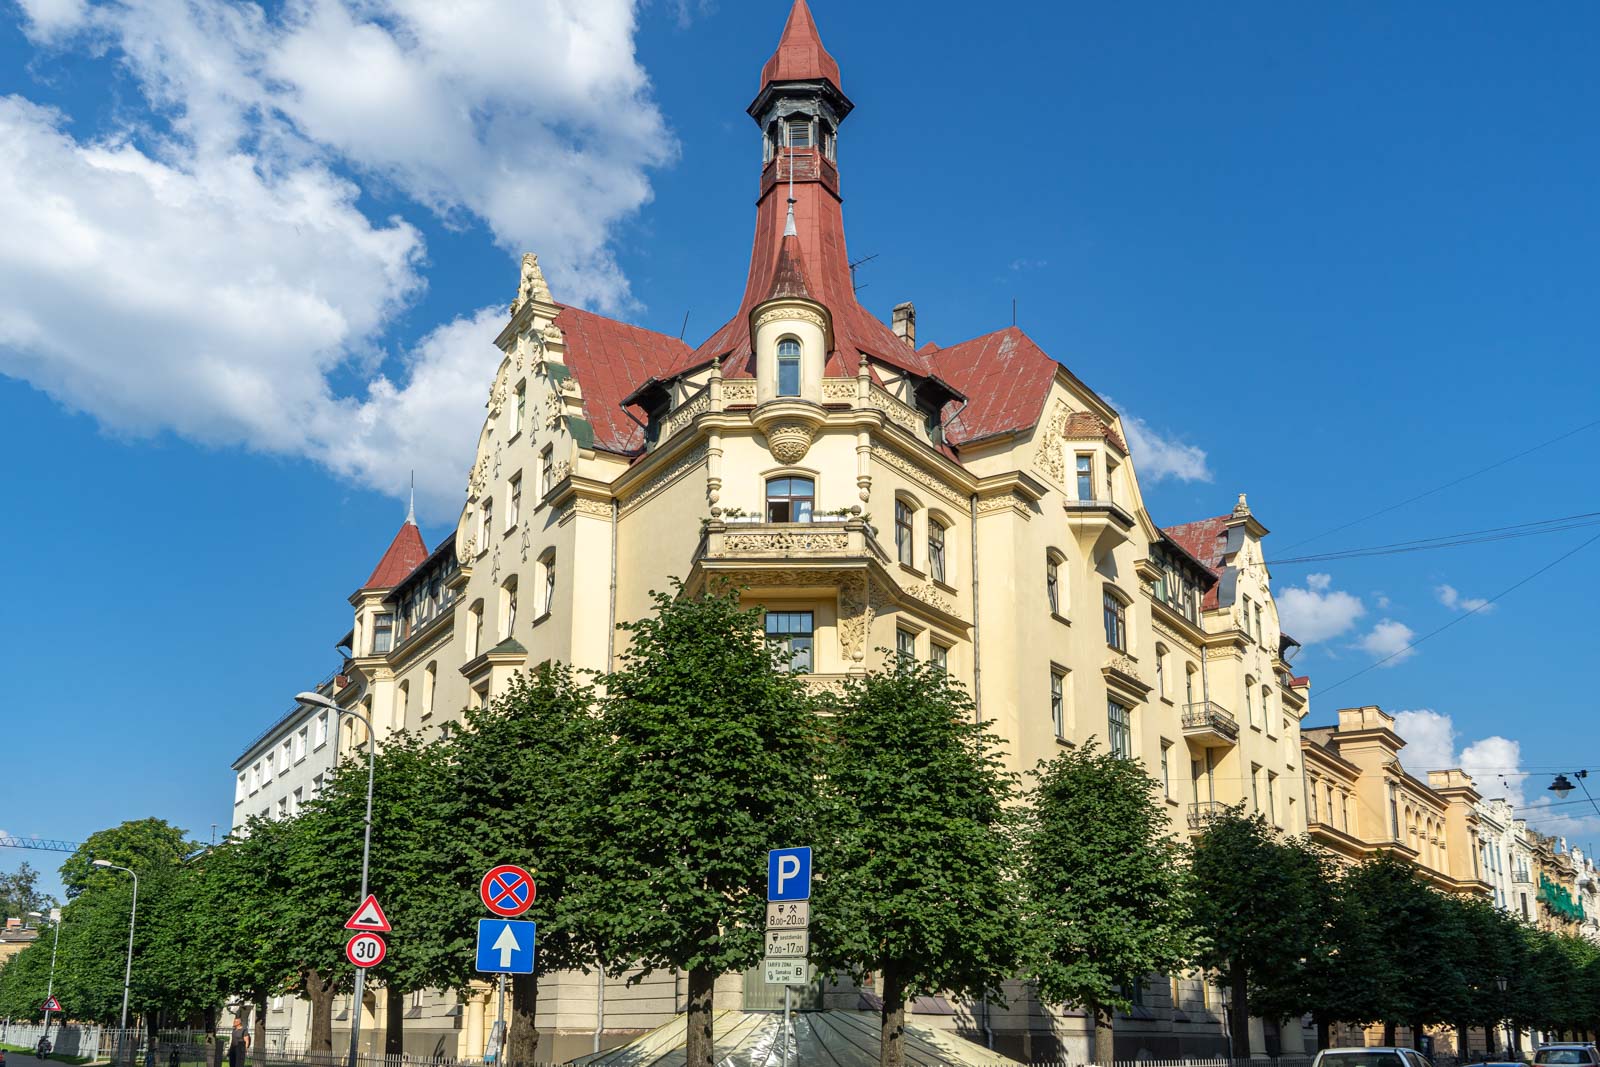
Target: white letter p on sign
x=788, y=867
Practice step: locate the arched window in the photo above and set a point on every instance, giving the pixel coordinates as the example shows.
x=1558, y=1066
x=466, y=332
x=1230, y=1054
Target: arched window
x=1052, y=582
x=788, y=367
x=475, y=629
x=430, y=677
x=402, y=697
x=936, y=563
x=905, y=546
x=508, y=607
x=790, y=499
x=1188, y=683
x=1249, y=701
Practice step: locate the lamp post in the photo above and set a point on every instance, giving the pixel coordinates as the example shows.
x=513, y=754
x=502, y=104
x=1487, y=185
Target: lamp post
x=127, y=971
x=320, y=701
x=50, y=990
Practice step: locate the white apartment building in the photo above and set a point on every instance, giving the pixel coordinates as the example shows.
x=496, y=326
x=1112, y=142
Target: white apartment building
x=286, y=765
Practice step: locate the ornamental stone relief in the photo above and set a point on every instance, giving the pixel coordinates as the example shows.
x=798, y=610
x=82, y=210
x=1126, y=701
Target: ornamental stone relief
x=1122, y=665
x=1008, y=501
x=1051, y=459
x=893, y=459
x=854, y=617
x=899, y=413
x=686, y=413
x=790, y=441
x=791, y=314
x=478, y=480
x=932, y=596
x=466, y=549
x=552, y=410
x=786, y=541
x=598, y=509
x=835, y=389
x=694, y=458
x=739, y=391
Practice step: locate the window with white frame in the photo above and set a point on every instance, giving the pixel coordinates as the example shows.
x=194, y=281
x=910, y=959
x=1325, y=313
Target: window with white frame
x=514, y=500
x=1119, y=729
x=788, y=367
x=485, y=524
x=402, y=697
x=547, y=566
x=1249, y=701
x=547, y=470
x=508, y=606
x=1259, y=639
x=905, y=644
x=1052, y=582
x=519, y=410
x=316, y=785
x=382, y=632
x=300, y=744
x=1058, y=702
x=936, y=567
x=242, y=789
x=322, y=730
x=298, y=800
x=1161, y=671
x=794, y=633
x=1188, y=683
x=1166, y=769
x=474, y=633
x=1245, y=616
x=939, y=655
x=430, y=677
x=904, y=543
x=266, y=769
x=1272, y=798
x=283, y=808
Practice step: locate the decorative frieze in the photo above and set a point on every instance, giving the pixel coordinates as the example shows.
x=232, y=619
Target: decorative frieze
x=838, y=389
x=761, y=542
x=1051, y=457
x=901, y=414
x=738, y=391
x=689, y=461
x=685, y=414
x=890, y=458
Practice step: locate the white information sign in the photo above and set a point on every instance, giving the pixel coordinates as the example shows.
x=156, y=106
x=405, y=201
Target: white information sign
x=788, y=915
x=784, y=972
x=788, y=944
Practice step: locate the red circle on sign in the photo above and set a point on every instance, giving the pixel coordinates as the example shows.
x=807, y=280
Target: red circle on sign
x=507, y=890
x=365, y=950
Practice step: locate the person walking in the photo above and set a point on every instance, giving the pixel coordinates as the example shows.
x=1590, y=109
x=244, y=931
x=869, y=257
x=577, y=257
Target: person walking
x=238, y=1044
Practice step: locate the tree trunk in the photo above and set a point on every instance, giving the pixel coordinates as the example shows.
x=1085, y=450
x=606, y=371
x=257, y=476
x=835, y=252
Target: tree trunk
x=1324, y=1032
x=892, y=1023
x=1239, y=1012
x=1102, y=1047
x=394, y=1021
x=698, y=1047
x=1463, y=1041
x=522, y=1028
x=258, y=1044
x=1388, y=1034
x=1416, y=1036
x=210, y=1024
x=319, y=991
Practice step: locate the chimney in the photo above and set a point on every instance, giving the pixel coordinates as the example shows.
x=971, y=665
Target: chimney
x=905, y=323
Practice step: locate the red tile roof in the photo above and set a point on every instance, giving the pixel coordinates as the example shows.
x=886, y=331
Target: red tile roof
x=789, y=277
x=405, y=552
x=1005, y=377
x=609, y=358
x=1302, y=680
x=1085, y=425
x=800, y=55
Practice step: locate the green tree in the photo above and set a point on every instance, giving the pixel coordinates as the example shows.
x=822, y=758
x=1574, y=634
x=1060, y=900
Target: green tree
x=713, y=762
x=1405, y=942
x=1255, y=899
x=915, y=879
x=140, y=844
x=19, y=893
x=524, y=790
x=1103, y=888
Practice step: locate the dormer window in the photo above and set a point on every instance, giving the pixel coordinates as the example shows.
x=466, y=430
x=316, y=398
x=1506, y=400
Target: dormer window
x=788, y=367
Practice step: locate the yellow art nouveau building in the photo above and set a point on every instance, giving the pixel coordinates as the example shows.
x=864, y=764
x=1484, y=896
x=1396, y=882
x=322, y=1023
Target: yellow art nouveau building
x=975, y=504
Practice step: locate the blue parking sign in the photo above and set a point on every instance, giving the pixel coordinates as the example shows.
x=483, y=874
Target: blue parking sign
x=789, y=873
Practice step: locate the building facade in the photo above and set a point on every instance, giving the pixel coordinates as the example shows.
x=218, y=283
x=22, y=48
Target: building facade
x=974, y=504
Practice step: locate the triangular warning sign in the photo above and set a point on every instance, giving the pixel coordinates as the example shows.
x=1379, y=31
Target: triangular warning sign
x=369, y=916
x=52, y=1005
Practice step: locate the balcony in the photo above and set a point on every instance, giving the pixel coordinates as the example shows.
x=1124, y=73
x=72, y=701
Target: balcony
x=1209, y=725
x=1099, y=525
x=792, y=542
x=1204, y=813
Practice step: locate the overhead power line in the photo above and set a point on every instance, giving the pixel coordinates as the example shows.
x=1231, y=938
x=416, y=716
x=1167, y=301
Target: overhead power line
x=1451, y=540
x=1447, y=485
x=1466, y=614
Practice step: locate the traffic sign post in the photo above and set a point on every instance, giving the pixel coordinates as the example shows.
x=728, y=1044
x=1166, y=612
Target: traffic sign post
x=507, y=890
x=506, y=946
x=369, y=916
x=366, y=949
x=788, y=940
x=51, y=1004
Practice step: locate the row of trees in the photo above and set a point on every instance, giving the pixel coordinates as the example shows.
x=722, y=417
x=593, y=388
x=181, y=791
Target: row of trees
x=645, y=801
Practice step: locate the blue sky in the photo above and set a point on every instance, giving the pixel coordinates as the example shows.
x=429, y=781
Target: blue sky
x=1333, y=258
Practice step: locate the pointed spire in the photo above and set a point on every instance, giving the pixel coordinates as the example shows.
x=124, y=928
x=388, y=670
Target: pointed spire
x=789, y=276
x=800, y=55
x=411, y=511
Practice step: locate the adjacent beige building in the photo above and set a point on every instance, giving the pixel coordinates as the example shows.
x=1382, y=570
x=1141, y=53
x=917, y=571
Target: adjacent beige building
x=974, y=504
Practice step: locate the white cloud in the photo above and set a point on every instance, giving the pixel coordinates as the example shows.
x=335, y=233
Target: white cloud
x=1388, y=641
x=1161, y=457
x=207, y=270
x=1450, y=598
x=1382, y=602
x=1430, y=741
x=1495, y=764
x=1317, y=612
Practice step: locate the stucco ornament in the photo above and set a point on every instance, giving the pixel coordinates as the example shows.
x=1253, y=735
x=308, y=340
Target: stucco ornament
x=531, y=285
x=479, y=479
x=1052, y=461
x=790, y=441
x=494, y=566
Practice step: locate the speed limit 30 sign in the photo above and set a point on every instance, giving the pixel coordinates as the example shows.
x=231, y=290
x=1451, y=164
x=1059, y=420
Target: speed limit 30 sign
x=366, y=950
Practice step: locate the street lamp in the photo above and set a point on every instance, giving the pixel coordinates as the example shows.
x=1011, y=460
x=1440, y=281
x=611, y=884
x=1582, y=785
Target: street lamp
x=1500, y=984
x=127, y=971
x=1562, y=787
x=50, y=991
x=320, y=701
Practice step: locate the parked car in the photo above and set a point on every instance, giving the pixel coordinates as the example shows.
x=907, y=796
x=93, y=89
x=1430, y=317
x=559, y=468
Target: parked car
x=1574, y=1054
x=1370, y=1057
